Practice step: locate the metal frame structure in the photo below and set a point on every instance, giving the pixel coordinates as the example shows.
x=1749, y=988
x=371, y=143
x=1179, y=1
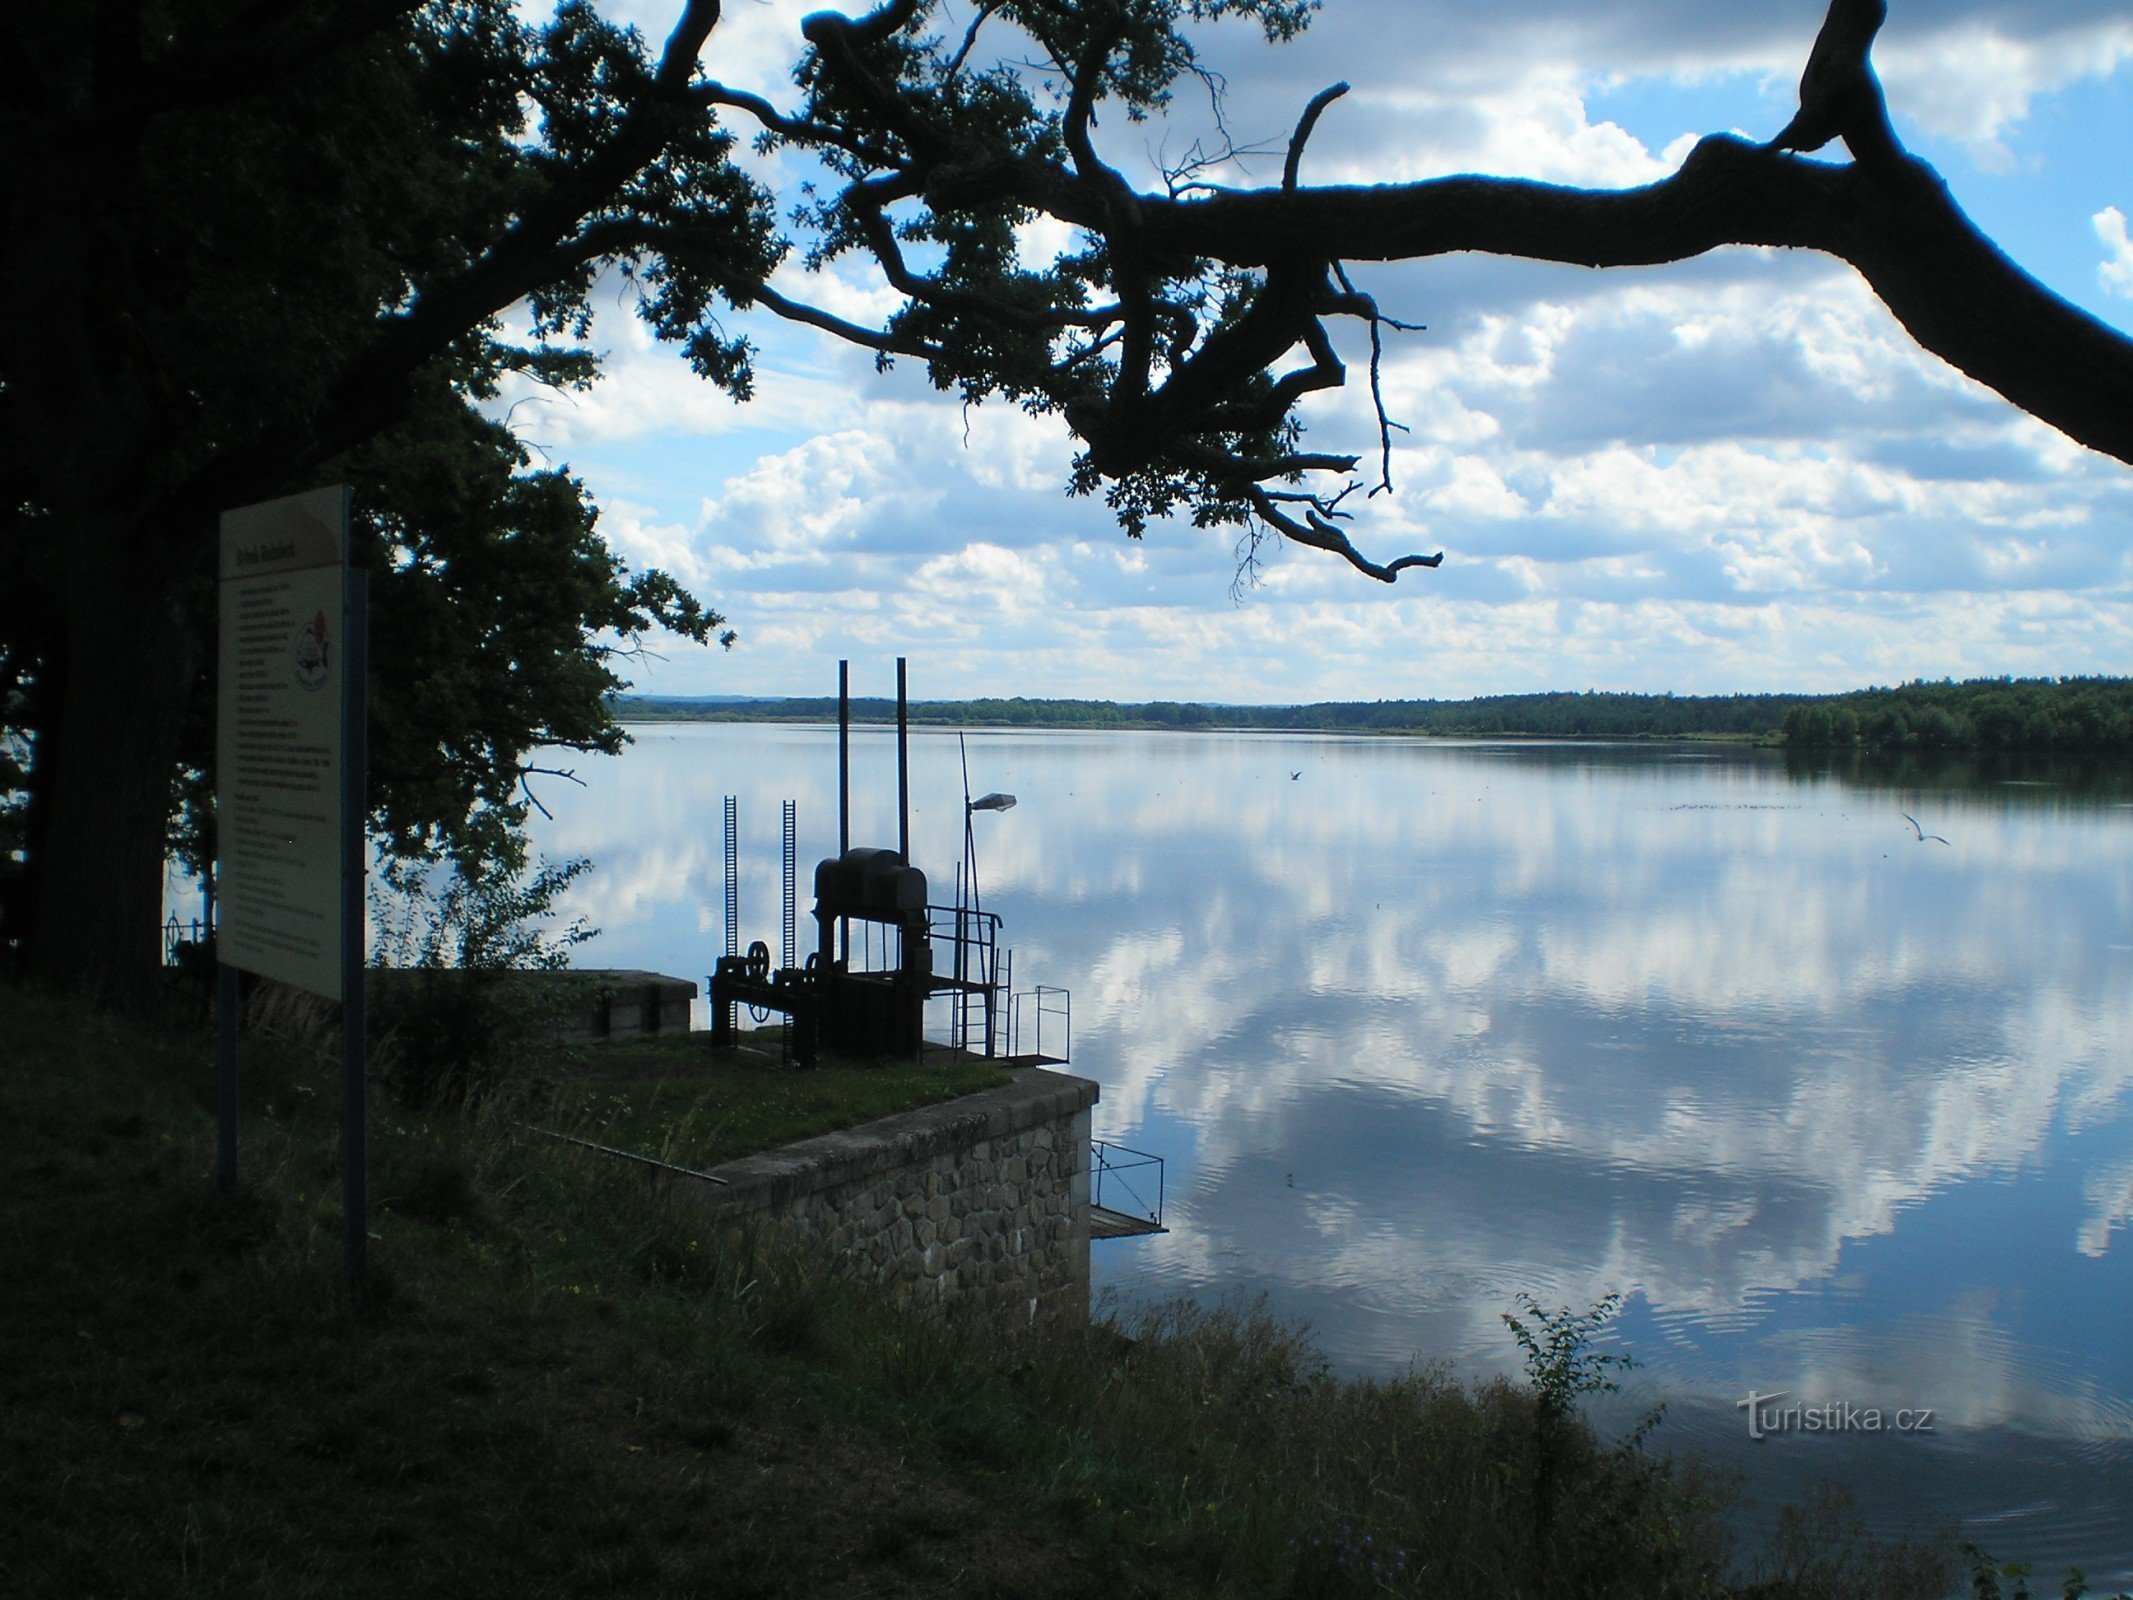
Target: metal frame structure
x=860, y=1005
x=1129, y=1203
x=1045, y=1001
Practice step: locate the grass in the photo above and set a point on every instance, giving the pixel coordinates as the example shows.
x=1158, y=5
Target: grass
x=443, y=1034
x=546, y=1390
x=673, y=1096
x=556, y=1385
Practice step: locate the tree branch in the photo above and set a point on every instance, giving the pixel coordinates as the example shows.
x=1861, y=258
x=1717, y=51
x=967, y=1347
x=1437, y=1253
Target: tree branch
x=837, y=41
x=798, y=129
x=1887, y=214
x=970, y=35
x=539, y=246
x=1354, y=302
x=1304, y=125
x=677, y=61
x=1953, y=290
x=1320, y=534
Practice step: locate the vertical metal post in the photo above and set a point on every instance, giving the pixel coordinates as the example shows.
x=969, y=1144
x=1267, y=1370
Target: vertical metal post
x=355, y=811
x=732, y=818
x=844, y=759
x=958, y=1020
x=966, y=881
x=226, y=1077
x=903, y=769
x=789, y=906
x=843, y=949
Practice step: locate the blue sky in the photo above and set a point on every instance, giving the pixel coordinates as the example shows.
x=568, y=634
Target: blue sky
x=1733, y=475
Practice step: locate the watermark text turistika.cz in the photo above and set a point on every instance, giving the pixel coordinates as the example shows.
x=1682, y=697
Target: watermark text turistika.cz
x=1768, y=1415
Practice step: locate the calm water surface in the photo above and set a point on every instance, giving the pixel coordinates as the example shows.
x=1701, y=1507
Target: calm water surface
x=1421, y=1026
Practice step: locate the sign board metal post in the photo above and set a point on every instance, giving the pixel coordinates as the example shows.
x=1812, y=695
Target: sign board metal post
x=355, y=773
x=290, y=797
x=226, y=1077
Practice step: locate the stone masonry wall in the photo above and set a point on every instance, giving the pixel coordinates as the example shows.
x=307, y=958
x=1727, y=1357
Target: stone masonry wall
x=978, y=1200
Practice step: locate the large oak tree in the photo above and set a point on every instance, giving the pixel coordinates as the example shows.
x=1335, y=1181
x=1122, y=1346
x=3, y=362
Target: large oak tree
x=253, y=247
x=266, y=243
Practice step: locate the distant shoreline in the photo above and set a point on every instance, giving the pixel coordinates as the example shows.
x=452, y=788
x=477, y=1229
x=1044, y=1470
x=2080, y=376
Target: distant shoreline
x=1733, y=719
x=2071, y=714
x=629, y=718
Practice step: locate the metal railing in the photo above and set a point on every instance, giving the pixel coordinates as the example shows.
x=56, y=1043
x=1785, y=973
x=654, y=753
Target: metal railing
x=1051, y=1016
x=967, y=942
x=1119, y=1179
x=966, y=950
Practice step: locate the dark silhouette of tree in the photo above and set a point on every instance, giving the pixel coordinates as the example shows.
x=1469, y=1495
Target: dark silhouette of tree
x=251, y=248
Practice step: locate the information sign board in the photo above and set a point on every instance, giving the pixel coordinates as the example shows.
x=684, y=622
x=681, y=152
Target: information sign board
x=279, y=737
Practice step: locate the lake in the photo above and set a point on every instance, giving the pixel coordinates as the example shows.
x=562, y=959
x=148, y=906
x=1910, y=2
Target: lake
x=1843, y=1113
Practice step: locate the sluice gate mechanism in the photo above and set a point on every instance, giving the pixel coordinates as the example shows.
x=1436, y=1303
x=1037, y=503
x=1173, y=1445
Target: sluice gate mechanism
x=887, y=959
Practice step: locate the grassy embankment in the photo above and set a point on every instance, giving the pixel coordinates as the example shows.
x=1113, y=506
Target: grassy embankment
x=558, y=1384
x=674, y=1097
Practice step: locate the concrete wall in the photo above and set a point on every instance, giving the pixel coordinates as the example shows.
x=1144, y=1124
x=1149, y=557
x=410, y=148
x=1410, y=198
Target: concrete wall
x=982, y=1200
x=616, y=1002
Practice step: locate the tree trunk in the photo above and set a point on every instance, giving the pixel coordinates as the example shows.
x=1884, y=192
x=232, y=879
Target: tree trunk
x=101, y=788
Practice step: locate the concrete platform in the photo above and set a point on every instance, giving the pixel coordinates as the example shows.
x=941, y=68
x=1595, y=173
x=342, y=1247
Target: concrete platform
x=616, y=1002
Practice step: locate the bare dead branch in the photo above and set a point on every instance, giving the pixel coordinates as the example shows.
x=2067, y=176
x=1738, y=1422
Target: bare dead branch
x=525, y=786
x=1320, y=534
x=1308, y=121
x=1373, y=318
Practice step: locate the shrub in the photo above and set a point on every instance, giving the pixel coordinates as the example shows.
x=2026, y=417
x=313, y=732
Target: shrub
x=457, y=1009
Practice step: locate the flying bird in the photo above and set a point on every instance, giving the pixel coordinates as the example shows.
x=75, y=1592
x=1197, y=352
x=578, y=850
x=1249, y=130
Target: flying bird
x=1294, y=776
x=1923, y=836
x=1836, y=75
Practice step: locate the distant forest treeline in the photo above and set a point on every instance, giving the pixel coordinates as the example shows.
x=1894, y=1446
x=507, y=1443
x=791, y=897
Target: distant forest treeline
x=1537, y=716
x=2091, y=714
x=2087, y=714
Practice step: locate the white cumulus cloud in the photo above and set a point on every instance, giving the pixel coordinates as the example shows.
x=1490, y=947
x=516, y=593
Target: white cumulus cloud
x=2116, y=273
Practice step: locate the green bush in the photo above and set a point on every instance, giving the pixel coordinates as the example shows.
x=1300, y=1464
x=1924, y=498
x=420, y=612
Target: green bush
x=452, y=1009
